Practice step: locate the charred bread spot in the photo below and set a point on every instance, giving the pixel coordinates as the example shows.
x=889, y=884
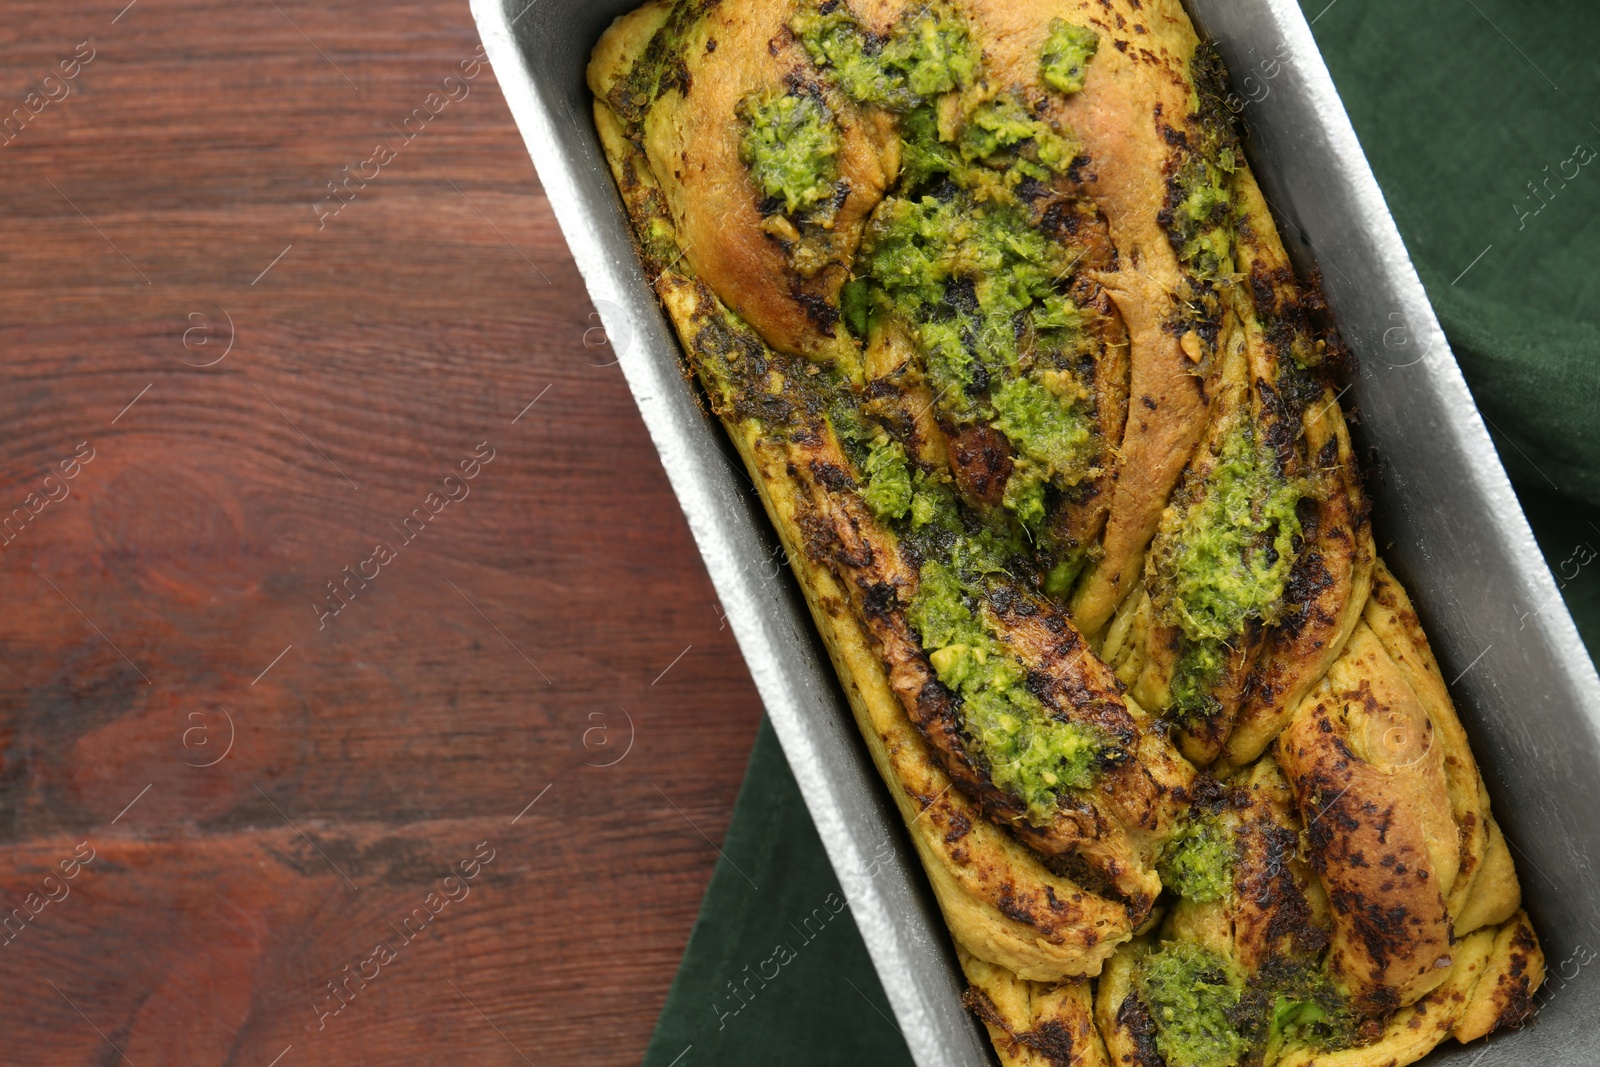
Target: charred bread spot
x=1061, y=219
x=1516, y=985
x=1135, y=1021
x=831, y=475
x=980, y=459
x=880, y=599
x=1092, y=879
x=1308, y=579
x=817, y=536
x=1013, y=908
x=1052, y=1040
x=1272, y=887
x=979, y=1004
x=1281, y=427
x=823, y=315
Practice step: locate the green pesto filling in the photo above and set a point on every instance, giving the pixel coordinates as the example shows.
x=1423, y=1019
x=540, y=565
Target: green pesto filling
x=1063, y=574
x=1197, y=862
x=1002, y=135
x=735, y=365
x=925, y=508
x=888, y=494
x=972, y=280
x=1025, y=496
x=1230, y=555
x=1030, y=754
x=1064, y=59
x=1192, y=995
x=924, y=156
x=660, y=67
x=1201, y=219
x=915, y=503
x=855, y=306
x=659, y=239
x=976, y=283
x=1053, y=436
x=962, y=274
x=924, y=56
x=1199, y=211
x=952, y=254
x=1306, y=1009
x=1207, y=1015
x=1194, y=677
x=1046, y=428
x=791, y=145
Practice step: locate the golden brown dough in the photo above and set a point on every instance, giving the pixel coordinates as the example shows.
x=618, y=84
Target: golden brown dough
x=1369, y=776
x=1035, y=1024
x=1503, y=994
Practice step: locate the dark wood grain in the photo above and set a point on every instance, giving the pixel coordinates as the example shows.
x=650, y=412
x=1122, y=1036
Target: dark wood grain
x=503, y=651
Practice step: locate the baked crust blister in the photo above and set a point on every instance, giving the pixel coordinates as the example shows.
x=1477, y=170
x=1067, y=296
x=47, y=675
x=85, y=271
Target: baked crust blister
x=1001, y=325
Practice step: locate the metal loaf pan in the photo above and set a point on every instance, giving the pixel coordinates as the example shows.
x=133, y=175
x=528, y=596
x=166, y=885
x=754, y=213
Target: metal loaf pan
x=1447, y=521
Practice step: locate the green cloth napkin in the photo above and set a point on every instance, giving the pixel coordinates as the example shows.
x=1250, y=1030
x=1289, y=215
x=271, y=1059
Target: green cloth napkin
x=1482, y=122
x=775, y=973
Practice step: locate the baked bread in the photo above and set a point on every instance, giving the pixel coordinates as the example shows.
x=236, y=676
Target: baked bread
x=990, y=304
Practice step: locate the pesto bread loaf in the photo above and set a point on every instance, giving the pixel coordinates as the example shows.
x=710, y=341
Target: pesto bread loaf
x=991, y=306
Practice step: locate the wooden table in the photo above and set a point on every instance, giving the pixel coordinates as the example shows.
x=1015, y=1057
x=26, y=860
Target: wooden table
x=337, y=566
